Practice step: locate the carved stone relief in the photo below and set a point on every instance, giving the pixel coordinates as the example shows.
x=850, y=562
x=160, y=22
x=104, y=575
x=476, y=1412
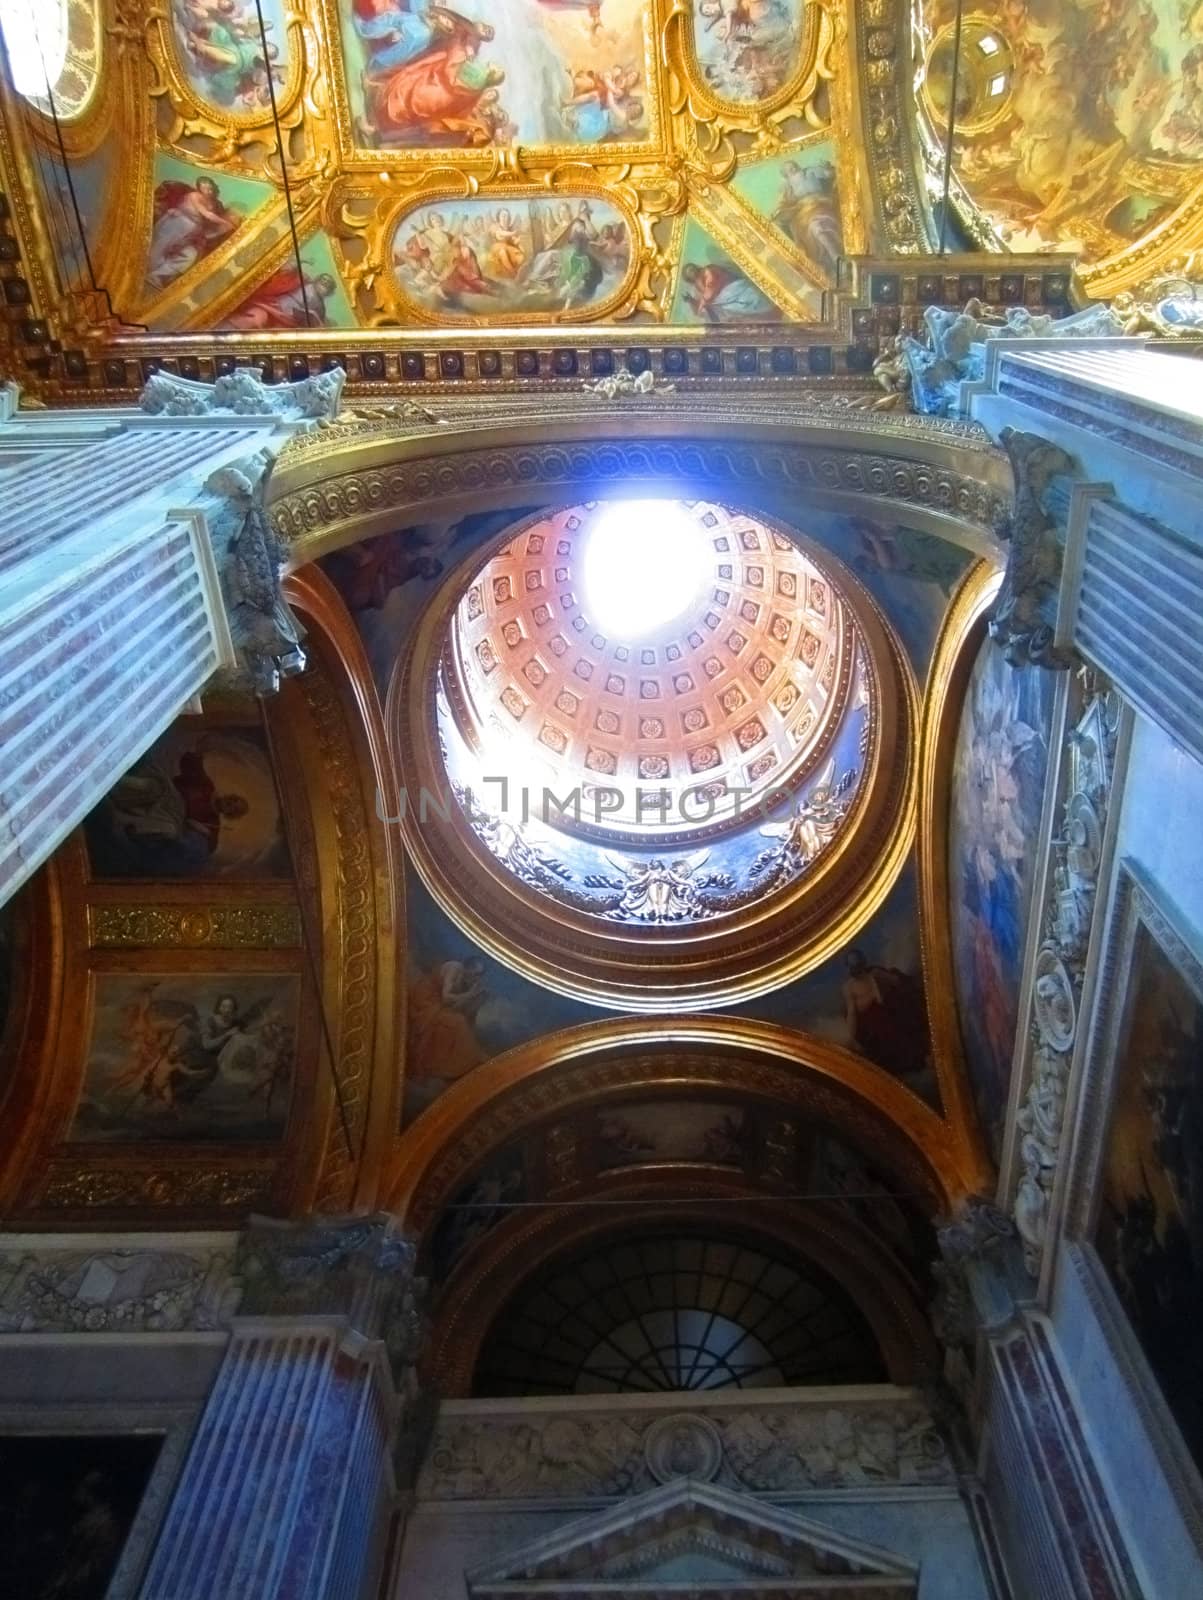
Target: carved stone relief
x=358, y=1267
x=1068, y=916
x=118, y=1290
x=1022, y=622
x=764, y=1448
x=244, y=393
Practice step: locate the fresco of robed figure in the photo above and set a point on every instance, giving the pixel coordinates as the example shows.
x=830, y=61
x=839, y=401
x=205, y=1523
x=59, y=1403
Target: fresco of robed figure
x=197, y=805
x=219, y=45
x=495, y=72
x=997, y=796
x=798, y=192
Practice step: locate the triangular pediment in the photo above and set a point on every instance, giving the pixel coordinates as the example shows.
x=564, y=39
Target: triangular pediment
x=695, y=1540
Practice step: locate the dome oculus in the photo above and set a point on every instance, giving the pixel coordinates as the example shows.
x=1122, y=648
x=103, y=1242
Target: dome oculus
x=698, y=763
x=646, y=563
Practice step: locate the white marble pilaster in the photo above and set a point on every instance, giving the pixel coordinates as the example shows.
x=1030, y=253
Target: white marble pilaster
x=288, y=1492
x=116, y=530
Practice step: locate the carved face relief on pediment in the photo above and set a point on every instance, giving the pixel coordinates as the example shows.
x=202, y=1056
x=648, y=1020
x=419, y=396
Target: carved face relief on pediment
x=711, y=1541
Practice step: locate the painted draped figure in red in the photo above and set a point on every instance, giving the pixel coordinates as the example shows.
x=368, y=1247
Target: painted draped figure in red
x=424, y=81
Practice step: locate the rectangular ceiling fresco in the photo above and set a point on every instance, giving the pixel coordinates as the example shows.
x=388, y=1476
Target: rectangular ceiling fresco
x=529, y=72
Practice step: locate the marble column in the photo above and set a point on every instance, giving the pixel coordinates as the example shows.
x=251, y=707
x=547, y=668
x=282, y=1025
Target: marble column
x=288, y=1487
x=135, y=563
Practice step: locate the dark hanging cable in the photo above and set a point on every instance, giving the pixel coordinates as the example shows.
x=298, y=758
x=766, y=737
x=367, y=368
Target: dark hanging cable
x=292, y=221
x=598, y=1202
x=952, y=122
x=62, y=150
x=54, y=195
x=58, y=219
x=308, y=940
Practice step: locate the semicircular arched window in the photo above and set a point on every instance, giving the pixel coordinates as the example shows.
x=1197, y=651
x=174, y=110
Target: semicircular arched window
x=676, y=1312
x=53, y=50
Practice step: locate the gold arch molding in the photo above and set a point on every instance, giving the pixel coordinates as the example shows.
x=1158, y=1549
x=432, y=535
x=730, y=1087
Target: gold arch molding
x=356, y=478
x=707, y=1054
x=526, y=1243
x=668, y=968
x=952, y=664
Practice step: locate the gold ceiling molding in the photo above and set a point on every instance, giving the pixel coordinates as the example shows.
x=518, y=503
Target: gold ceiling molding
x=886, y=94
x=673, y=966
x=145, y=1187
x=329, y=492
x=532, y=1240
x=952, y=664
x=221, y=926
x=846, y=82
x=613, y=1058
x=1171, y=250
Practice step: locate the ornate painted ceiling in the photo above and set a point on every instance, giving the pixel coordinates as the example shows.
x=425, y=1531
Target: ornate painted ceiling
x=264, y=166
x=1079, y=125
x=545, y=161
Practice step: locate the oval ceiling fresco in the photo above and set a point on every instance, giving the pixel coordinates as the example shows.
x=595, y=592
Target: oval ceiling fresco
x=508, y=261
x=219, y=51
x=748, y=51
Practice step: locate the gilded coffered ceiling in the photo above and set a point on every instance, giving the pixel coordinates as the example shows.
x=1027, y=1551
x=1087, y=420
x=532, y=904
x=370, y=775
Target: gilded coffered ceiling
x=746, y=687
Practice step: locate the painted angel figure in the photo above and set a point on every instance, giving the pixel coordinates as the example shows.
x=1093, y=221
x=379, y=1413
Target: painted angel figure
x=247, y=1049
x=600, y=104
x=226, y=46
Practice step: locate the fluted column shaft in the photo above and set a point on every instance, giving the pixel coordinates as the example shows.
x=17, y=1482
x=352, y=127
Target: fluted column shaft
x=287, y=1489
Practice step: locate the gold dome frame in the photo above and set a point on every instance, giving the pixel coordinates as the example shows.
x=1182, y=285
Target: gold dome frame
x=677, y=967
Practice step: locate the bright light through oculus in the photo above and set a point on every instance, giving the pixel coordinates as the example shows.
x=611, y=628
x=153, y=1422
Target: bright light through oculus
x=646, y=563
